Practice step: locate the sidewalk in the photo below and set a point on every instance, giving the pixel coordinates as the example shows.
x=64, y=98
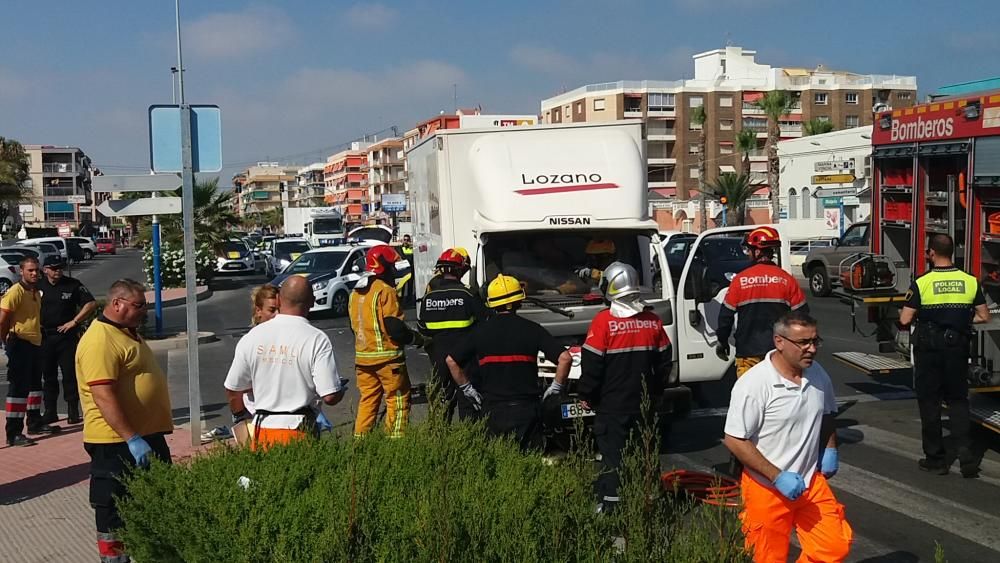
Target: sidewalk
x=44, y=498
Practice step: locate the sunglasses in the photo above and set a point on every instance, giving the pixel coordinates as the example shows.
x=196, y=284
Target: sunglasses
x=141, y=305
x=805, y=343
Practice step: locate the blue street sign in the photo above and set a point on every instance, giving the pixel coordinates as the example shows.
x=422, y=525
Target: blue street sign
x=165, y=138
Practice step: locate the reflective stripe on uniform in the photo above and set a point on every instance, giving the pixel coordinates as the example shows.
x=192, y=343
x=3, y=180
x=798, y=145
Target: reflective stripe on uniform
x=506, y=359
x=442, y=325
x=375, y=323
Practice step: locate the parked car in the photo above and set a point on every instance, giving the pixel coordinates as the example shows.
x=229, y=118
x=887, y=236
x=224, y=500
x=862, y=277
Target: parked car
x=333, y=271
x=42, y=250
x=58, y=242
x=22, y=252
x=88, y=246
x=234, y=257
x=106, y=246
x=822, y=265
x=283, y=251
x=10, y=272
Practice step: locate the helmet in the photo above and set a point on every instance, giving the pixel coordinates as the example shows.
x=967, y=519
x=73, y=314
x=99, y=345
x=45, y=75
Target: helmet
x=619, y=280
x=380, y=258
x=456, y=258
x=763, y=237
x=503, y=291
x=600, y=246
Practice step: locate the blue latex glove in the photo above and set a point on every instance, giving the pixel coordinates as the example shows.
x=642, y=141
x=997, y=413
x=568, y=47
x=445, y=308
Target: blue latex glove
x=790, y=484
x=829, y=464
x=139, y=449
x=323, y=423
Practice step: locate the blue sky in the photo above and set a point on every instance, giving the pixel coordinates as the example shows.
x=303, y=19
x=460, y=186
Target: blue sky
x=297, y=76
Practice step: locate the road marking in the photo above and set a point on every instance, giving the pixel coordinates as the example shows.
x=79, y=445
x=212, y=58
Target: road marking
x=909, y=448
x=965, y=522
x=900, y=395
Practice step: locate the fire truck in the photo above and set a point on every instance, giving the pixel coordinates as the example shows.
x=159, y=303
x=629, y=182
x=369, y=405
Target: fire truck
x=935, y=169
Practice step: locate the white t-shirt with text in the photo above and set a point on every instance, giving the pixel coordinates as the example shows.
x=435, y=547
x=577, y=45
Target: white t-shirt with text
x=289, y=364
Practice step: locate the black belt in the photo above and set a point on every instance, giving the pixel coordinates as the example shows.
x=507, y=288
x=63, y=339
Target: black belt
x=308, y=414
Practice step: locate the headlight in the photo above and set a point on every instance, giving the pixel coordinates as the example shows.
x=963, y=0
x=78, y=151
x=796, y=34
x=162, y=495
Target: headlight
x=319, y=286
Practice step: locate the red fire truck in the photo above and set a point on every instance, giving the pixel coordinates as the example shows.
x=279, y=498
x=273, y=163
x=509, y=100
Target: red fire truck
x=935, y=169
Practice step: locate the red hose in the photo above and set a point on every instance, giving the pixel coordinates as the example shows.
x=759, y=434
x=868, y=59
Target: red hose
x=708, y=488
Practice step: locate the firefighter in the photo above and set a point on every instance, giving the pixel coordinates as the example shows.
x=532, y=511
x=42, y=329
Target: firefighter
x=506, y=347
x=759, y=295
x=625, y=353
x=379, y=338
x=600, y=252
x=405, y=286
x=446, y=315
x=432, y=284
x=944, y=302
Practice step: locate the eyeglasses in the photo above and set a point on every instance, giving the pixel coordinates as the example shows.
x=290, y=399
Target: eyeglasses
x=142, y=305
x=804, y=344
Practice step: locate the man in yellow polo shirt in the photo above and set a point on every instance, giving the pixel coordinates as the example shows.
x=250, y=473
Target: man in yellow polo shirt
x=21, y=334
x=126, y=406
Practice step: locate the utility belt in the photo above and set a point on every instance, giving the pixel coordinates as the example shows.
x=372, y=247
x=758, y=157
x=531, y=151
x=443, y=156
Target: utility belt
x=930, y=336
x=55, y=332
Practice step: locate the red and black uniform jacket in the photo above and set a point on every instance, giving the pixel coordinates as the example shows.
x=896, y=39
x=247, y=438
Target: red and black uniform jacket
x=618, y=355
x=761, y=294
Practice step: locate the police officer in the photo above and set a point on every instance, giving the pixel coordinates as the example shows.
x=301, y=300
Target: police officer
x=506, y=347
x=944, y=302
x=760, y=295
x=446, y=315
x=66, y=303
x=626, y=350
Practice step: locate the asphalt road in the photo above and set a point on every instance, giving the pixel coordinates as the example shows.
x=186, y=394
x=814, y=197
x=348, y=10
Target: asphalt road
x=898, y=513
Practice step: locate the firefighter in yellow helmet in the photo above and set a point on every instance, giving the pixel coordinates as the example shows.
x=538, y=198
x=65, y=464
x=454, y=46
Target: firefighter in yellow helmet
x=600, y=253
x=506, y=348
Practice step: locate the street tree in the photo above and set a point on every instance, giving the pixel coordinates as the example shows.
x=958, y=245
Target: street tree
x=213, y=216
x=736, y=189
x=816, y=127
x=775, y=104
x=698, y=117
x=746, y=142
x=15, y=168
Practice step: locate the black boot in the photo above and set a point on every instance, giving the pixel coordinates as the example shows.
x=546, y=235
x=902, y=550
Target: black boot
x=73, y=410
x=36, y=425
x=50, y=416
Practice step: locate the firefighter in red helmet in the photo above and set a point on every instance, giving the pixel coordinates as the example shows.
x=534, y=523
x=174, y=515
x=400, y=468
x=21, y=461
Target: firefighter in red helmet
x=760, y=295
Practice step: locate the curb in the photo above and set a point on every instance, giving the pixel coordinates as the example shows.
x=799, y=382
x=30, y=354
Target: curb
x=202, y=292
x=179, y=341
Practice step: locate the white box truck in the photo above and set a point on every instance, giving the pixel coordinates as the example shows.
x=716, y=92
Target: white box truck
x=526, y=201
x=321, y=226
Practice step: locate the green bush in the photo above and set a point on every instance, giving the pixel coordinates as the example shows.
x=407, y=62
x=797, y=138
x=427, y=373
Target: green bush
x=172, y=264
x=442, y=493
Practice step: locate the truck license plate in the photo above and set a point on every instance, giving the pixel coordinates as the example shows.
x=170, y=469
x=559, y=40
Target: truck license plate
x=575, y=410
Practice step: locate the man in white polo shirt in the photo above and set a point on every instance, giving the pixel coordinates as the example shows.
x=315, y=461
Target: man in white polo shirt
x=289, y=366
x=780, y=426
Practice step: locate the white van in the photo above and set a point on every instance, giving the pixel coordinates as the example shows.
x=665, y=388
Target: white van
x=57, y=242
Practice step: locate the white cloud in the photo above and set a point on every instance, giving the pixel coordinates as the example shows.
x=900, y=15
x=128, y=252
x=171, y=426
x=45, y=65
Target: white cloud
x=229, y=35
x=372, y=16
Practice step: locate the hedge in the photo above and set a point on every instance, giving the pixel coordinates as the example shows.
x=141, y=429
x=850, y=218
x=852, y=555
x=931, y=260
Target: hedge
x=442, y=493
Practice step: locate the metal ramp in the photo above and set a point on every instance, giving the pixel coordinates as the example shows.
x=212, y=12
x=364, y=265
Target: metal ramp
x=873, y=364
x=985, y=410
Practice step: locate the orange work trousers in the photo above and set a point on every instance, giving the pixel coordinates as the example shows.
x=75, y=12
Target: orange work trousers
x=768, y=518
x=744, y=364
x=264, y=438
x=389, y=380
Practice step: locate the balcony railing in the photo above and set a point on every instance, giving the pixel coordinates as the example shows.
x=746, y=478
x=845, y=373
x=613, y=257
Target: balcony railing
x=58, y=167
x=660, y=132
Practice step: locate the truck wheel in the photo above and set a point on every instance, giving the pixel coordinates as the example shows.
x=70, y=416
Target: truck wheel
x=819, y=282
x=338, y=303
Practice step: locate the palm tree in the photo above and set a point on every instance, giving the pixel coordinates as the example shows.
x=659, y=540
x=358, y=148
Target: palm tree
x=746, y=141
x=737, y=189
x=698, y=117
x=774, y=104
x=15, y=168
x=213, y=216
x=816, y=127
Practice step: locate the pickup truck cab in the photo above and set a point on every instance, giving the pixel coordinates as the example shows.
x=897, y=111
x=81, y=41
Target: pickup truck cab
x=822, y=265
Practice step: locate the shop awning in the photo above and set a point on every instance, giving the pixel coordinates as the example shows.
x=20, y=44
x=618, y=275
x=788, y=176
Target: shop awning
x=796, y=72
x=633, y=95
x=750, y=97
x=792, y=117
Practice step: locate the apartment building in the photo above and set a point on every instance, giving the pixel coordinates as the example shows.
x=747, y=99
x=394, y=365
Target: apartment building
x=60, y=182
x=263, y=187
x=386, y=175
x=309, y=188
x=727, y=83
x=345, y=179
